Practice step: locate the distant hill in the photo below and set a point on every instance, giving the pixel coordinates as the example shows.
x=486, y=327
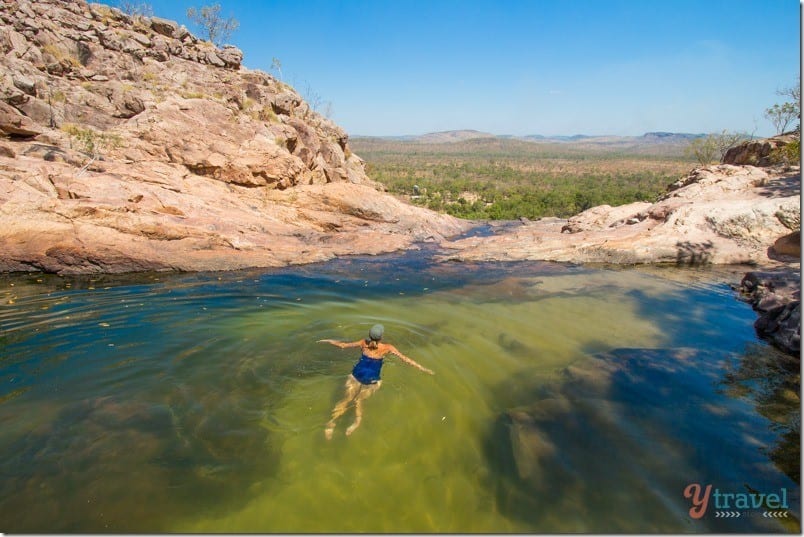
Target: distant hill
x=671, y=136
x=442, y=137
x=453, y=136
x=665, y=144
x=649, y=138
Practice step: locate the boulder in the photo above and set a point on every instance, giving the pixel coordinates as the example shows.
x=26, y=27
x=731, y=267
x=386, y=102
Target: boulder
x=308, y=145
x=12, y=42
x=776, y=297
x=165, y=27
x=212, y=58
x=756, y=152
x=15, y=124
x=25, y=83
x=788, y=245
x=231, y=56
x=127, y=101
x=782, y=327
x=286, y=102
x=110, y=40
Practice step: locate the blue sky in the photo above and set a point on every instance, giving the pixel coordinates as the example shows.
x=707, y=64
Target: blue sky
x=550, y=67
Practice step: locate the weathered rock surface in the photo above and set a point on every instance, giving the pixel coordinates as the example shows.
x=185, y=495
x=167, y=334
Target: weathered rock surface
x=132, y=145
x=776, y=297
x=721, y=214
x=159, y=216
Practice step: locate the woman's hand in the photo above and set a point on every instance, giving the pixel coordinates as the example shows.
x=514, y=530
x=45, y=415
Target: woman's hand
x=430, y=371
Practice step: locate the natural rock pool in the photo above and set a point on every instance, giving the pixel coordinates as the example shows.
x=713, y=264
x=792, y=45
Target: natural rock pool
x=566, y=399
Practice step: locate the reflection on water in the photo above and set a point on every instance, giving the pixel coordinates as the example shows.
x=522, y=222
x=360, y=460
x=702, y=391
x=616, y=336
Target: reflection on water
x=772, y=382
x=565, y=399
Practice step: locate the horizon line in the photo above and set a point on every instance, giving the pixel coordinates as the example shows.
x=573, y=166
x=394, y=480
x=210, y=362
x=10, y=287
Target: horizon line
x=489, y=134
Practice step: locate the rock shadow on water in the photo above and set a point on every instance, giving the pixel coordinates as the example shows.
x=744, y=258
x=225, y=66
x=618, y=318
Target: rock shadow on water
x=611, y=447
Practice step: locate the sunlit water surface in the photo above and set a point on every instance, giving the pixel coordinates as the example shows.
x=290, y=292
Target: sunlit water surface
x=565, y=399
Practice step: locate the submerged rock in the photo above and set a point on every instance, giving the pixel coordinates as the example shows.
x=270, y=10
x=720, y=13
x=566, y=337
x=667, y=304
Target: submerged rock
x=621, y=435
x=75, y=472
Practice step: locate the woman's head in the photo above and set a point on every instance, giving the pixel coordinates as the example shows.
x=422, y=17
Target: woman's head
x=375, y=334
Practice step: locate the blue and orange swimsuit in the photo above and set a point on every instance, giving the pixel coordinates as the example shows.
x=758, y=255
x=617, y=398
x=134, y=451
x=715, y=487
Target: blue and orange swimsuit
x=367, y=370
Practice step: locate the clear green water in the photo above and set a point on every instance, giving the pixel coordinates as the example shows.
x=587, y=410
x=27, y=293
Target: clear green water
x=565, y=399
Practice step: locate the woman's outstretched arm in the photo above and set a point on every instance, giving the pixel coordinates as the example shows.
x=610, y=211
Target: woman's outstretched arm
x=341, y=344
x=409, y=361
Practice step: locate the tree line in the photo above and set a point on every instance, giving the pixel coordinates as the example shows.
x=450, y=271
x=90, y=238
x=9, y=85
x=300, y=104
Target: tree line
x=502, y=192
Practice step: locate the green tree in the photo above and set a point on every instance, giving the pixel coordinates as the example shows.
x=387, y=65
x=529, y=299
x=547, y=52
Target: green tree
x=781, y=116
x=703, y=150
x=216, y=29
x=794, y=94
x=712, y=147
x=92, y=143
x=787, y=154
x=726, y=140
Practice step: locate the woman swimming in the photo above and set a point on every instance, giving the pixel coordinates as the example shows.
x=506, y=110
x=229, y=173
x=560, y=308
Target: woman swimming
x=365, y=377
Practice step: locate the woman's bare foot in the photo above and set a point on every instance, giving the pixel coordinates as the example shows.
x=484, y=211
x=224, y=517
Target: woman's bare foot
x=328, y=432
x=352, y=428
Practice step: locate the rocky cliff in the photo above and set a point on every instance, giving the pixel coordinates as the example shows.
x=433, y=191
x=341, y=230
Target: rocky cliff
x=130, y=144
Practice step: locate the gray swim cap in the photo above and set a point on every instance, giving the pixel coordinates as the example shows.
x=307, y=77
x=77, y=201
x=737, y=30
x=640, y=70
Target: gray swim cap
x=376, y=332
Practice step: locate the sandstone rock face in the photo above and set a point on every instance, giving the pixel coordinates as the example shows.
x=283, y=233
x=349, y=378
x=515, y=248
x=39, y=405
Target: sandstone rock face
x=722, y=215
x=133, y=145
x=160, y=93
x=160, y=216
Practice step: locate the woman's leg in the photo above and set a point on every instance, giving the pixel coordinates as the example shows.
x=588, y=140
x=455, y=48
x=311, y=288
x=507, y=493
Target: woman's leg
x=352, y=389
x=362, y=395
